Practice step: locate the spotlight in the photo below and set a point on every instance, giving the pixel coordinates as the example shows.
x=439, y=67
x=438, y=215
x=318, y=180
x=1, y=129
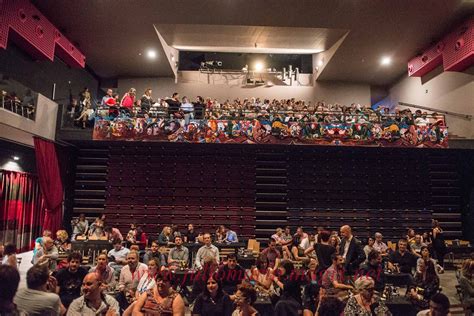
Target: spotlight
x=385, y=61
x=151, y=54
x=259, y=66
x=16, y=158
x=320, y=62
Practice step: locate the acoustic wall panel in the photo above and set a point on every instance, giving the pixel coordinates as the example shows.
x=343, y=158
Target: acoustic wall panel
x=429, y=60
x=459, y=52
x=34, y=33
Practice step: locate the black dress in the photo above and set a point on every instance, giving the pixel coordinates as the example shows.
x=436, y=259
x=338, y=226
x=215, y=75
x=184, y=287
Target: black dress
x=439, y=247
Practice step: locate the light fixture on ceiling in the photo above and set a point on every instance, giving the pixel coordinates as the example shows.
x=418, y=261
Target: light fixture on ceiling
x=259, y=66
x=151, y=54
x=385, y=61
x=16, y=158
x=320, y=62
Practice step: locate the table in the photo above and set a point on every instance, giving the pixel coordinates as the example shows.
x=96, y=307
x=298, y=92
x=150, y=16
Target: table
x=90, y=247
x=401, y=306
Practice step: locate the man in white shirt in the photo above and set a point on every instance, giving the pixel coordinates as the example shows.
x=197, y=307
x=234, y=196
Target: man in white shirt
x=379, y=245
x=119, y=253
x=208, y=250
x=188, y=109
x=130, y=276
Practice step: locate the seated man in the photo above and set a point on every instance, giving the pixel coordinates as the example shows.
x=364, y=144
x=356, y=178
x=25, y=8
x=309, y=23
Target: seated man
x=373, y=268
x=208, y=250
x=39, y=297
x=439, y=306
x=93, y=301
x=70, y=279
x=103, y=271
x=118, y=255
x=155, y=253
x=333, y=277
x=272, y=254
x=379, y=245
x=130, y=275
x=179, y=254
x=402, y=260
x=231, y=274
x=416, y=245
x=47, y=254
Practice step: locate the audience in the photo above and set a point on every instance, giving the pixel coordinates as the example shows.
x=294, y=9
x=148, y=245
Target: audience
x=93, y=301
x=79, y=226
x=208, y=250
x=311, y=291
x=373, y=268
x=333, y=278
x=62, y=242
x=213, y=301
x=39, y=298
x=70, y=279
x=369, y=247
x=113, y=234
x=425, y=285
x=261, y=275
x=290, y=302
x=323, y=251
x=379, y=245
x=190, y=235
x=9, y=281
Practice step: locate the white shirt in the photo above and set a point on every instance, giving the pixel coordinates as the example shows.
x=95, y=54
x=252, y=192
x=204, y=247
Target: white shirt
x=80, y=307
x=346, y=246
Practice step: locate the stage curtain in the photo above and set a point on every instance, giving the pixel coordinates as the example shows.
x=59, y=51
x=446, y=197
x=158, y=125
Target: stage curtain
x=21, y=209
x=50, y=183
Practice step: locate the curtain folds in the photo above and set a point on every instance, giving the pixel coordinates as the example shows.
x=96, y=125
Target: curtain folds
x=50, y=183
x=22, y=209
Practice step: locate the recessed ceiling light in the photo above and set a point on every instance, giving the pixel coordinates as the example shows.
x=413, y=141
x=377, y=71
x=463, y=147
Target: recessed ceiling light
x=320, y=62
x=16, y=158
x=385, y=61
x=151, y=54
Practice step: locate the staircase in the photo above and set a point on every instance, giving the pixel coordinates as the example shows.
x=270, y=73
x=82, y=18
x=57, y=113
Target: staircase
x=91, y=179
x=271, y=192
x=445, y=187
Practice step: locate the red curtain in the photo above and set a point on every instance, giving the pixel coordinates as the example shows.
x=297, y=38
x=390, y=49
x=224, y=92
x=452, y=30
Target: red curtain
x=50, y=183
x=21, y=209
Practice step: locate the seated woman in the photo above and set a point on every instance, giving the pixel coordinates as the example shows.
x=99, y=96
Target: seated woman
x=165, y=237
x=467, y=283
x=213, y=301
x=426, y=256
x=245, y=297
x=262, y=274
x=297, y=252
x=104, y=272
x=131, y=235
x=210, y=266
x=289, y=285
x=370, y=246
x=365, y=303
x=426, y=284
x=162, y=299
x=97, y=231
x=79, y=226
x=220, y=234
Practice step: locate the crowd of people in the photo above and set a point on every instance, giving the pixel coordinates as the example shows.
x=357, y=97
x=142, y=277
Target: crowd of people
x=286, y=110
x=24, y=106
x=306, y=272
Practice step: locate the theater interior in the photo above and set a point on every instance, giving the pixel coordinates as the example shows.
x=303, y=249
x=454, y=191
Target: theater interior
x=324, y=149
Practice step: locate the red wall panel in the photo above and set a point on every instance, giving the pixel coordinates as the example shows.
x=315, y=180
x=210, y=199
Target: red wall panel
x=459, y=52
x=429, y=60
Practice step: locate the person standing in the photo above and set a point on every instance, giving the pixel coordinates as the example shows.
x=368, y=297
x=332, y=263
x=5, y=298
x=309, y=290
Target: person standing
x=439, y=245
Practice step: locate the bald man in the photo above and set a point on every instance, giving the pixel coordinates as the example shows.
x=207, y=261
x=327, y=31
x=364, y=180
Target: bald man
x=47, y=254
x=352, y=251
x=93, y=301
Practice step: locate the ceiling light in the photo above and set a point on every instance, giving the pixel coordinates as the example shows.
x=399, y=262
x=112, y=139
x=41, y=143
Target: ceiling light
x=320, y=62
x=258, y=66
x=385, y=61
x=151, y=54
x=16, y=158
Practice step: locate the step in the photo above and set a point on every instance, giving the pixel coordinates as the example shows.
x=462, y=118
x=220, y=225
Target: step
x=88, y=175
x=92, y=167
x=91, y=182
x=261, y=194
x=270, y=222
x=89, y=201
x=269, y=203
x=83, y=192
x=93, y=160
x=86, y=210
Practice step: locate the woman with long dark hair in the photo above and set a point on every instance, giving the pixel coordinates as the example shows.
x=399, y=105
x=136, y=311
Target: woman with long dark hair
x=426, y=284
x=213, y=301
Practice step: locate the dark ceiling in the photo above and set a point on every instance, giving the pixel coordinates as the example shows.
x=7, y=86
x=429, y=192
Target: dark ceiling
x=112, y=33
